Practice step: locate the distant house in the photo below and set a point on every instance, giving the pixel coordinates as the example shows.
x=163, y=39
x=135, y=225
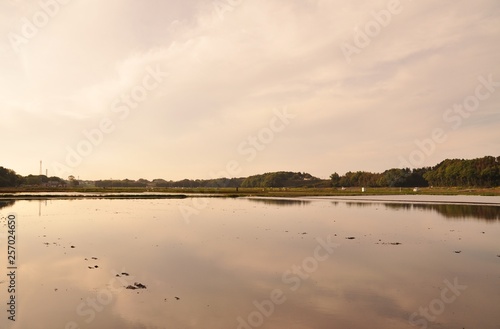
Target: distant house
x=86, y=183
x=53, y=183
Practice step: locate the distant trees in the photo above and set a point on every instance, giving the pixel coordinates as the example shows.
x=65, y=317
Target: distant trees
x=73, y=181
x=9, y=178
x=360, y=178
x=480, y=172
x=390, y=178
x=335, y=179
x=199, y=183
x=281, y=179
x=405, y=177
x=184, y=183
x=56, y=181
x=119, y=183
x=483, y=172
x=34, y=180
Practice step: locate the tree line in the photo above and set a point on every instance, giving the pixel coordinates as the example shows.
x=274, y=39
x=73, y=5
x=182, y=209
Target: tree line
x=484, y=172
x=9, y=178
x=184, y=183
x=282, y=179
x=480, y=172
x=389, y=178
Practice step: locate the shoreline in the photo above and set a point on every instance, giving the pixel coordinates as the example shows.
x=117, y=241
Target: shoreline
x=267, y=191
x=372, y=195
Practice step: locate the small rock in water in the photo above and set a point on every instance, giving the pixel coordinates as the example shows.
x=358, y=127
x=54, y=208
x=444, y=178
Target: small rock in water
x=125, y=274
x=350, y=238
x=72, y=247
x=131, y=287
x=458, y=251
x=177, y=298
x=140, y=285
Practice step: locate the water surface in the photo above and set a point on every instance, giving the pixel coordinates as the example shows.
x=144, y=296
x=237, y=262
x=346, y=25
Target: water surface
x=245, y=263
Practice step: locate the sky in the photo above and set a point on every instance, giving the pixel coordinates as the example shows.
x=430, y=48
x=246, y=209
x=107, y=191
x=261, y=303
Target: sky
x=202, y=89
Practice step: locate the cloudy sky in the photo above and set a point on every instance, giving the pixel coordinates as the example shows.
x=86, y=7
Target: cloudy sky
x=201, y=88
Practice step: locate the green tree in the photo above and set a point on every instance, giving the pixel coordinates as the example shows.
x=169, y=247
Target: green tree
x=9, y=178
x=335, y=179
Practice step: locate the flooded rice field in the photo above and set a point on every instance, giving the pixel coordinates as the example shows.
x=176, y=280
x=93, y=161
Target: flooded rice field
x=253, y=263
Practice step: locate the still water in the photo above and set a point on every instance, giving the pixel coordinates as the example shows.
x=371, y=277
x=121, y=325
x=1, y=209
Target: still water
x=253, y=263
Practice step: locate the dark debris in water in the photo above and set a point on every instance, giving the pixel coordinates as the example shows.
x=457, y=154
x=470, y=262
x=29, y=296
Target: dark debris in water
x=351, y=238
x=140, y=285
x=137, y=285
x=458, y=251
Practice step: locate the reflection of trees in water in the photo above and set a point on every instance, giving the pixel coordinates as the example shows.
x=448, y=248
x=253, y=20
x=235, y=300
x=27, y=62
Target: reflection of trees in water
x=282, y=202
x=454, y=211
x=6, y=203
x=358, y=204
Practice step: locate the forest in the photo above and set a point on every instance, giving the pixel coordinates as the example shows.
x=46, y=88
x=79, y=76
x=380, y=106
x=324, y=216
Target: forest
x=480, y=172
